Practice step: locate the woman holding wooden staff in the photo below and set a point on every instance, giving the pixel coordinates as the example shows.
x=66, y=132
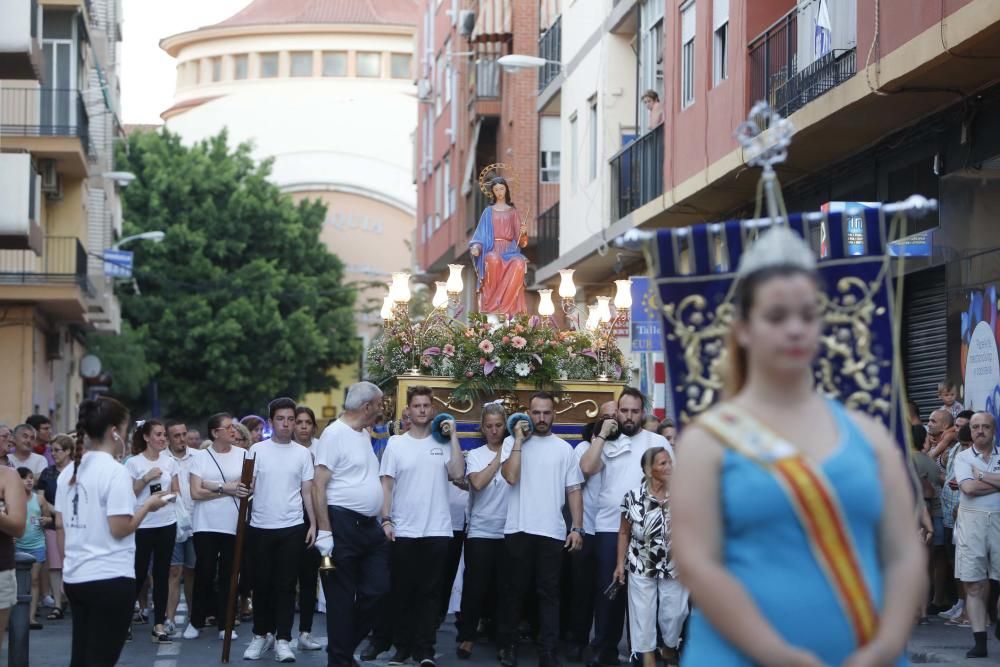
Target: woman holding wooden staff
x=215, y=489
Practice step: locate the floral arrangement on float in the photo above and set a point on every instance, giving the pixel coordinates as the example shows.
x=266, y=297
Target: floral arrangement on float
x=490, y=354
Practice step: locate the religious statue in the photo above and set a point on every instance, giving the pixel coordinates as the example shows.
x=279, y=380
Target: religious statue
x=496, y=253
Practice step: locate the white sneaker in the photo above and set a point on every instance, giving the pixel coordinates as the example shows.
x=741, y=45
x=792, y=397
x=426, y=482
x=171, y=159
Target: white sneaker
x=170, y=627
x=954, y=612
x=283, y=652
x=48, y=601
x=222, y=634
x=191, y=632
x=307, y=643
x=258, y=646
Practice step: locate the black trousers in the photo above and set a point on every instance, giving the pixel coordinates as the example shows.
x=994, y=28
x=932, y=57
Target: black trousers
x=361, y=581
x=156, y=544
x=609, y=615
x=308, y=577
x=539, y=559
x=483, y=573
x=213, y=556
x=102, y=613
x=452, y=559
x=276, y=554
x=583, y=569
x=409, y=620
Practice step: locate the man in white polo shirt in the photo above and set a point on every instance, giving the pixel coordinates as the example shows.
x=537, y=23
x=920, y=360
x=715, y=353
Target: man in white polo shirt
x=416, y=518
x=616, y=459
x=283, y=473
x=543, y=475
x=977, y=531
x=349, y=498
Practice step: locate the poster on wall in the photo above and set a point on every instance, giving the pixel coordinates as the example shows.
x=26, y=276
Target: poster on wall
x=980, y=358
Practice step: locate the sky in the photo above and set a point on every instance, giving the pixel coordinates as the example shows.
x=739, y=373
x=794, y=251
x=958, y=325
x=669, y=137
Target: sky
x=147, y=73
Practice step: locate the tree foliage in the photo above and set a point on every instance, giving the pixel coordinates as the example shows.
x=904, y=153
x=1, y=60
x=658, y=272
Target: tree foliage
x=241, y=302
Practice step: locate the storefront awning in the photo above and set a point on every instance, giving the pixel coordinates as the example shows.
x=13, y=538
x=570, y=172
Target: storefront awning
x=493, y=21
x=470, y=161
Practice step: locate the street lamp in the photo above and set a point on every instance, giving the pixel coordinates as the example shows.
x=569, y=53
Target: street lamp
x=155, y=237
x=517, y=61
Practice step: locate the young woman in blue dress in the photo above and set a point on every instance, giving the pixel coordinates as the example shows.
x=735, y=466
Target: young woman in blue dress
x=762, y=592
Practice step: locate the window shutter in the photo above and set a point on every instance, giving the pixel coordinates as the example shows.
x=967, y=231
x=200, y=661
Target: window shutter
x=687, y=23
x=720, y=13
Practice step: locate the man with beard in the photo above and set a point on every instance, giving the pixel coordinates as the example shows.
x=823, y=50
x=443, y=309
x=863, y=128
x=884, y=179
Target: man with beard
x=617, y=461
x=416, y=518
x=583, y=563
x=543, y=475
x=182, y=561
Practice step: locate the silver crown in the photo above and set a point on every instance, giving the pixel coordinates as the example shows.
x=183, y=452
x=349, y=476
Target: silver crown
x=777, y=246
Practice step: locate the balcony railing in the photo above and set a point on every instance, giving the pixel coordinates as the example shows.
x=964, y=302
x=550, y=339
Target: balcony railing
x=63, y=261
x=775, y=76
x=45, y=112
x=486, y=73
x=550, y=48
x=637, y=173
x=548, y=236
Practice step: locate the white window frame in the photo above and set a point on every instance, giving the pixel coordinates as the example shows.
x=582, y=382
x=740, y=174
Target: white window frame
x=549, y=149
x=438, y=196
x=593, y=136
x=447, y=190
x=439, y=84
x=574, y=152
x=720, y=41
x=688, y=24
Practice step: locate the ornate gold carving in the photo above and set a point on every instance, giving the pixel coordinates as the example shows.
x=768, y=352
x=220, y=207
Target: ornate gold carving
x=449, y=405
x=590, y=413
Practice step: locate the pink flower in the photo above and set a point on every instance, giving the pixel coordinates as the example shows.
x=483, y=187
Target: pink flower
x=486, y=346
x=519, y=342
x=426, y=361
x=469, y=333
x=406, y=348
x=505, y=340
x=449, y=350
x=468, y=374
x=482, y=361
x=519, y=329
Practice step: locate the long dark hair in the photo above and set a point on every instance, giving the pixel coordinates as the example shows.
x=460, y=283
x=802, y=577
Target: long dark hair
x=139, y=443
x=95, y=417
x=500, y=180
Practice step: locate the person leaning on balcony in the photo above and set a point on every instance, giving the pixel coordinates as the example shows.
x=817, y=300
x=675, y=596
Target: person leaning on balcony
x=651, y=100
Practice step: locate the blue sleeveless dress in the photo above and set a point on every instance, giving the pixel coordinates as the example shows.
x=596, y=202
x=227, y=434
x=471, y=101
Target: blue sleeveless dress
x=767, y=551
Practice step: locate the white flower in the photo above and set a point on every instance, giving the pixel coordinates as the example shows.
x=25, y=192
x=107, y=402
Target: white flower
x=522, y=369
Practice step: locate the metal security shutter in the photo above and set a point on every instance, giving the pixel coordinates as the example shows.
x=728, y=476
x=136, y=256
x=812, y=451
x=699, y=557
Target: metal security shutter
x=925, y=337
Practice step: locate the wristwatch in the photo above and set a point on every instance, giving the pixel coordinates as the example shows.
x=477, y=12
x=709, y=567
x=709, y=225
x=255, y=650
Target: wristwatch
x=219, y=490
x=980, y=475
x=577, y=530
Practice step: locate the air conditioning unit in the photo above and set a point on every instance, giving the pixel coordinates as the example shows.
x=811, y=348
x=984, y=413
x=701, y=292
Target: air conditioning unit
x=466, y=22
x=51, y=182
x=424, y=89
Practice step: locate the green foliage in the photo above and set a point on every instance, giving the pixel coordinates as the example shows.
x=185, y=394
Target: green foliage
x=124, y=357
x=241, y=302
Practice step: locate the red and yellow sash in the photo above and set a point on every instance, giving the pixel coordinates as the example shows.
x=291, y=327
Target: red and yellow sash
x=815, y=503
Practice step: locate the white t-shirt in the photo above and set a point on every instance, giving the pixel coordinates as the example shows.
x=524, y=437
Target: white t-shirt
x=279, y=472
x=458, y=505
x=36, y=463
x=219, y=514
x=354, y=480
x=622, y=473
x=534, y=504
x=138, y=466
x=103, y=489
x=967, y=464
x=487, y=508
x=591, y=491
x=420, y=492
x=184, y=465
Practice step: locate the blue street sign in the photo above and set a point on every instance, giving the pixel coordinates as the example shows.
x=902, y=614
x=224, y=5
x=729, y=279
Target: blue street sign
x=118, y=263
x=647, y=322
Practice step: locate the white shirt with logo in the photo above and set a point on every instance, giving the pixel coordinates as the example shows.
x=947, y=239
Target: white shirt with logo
x=279, y=471
x=103, y=489
x=488, y=507
x=621, y=474
x=420, y=506
x=967, y=466
x=220, y=513
x=137, y=467
x=354, y=476
x=548, y=468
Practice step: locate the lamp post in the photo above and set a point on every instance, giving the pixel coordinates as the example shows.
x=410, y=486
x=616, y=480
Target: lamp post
x=155, y=237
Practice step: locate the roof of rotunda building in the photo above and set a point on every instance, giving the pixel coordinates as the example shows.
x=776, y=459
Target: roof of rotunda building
x=278, y=12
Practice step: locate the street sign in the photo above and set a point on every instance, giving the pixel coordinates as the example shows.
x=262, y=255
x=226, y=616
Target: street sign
x=118, y=263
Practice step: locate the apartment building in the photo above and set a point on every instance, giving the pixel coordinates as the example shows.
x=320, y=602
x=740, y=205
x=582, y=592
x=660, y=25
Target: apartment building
x=59, y=119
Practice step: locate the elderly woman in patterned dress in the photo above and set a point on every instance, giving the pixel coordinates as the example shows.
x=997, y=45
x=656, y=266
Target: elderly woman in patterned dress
x=654, y=593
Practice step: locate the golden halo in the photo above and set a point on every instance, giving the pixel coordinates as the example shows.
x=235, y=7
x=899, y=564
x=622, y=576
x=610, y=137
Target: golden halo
x=496, y=167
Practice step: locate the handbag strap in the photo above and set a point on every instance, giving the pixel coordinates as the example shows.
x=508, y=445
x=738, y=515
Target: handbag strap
x=223, y=475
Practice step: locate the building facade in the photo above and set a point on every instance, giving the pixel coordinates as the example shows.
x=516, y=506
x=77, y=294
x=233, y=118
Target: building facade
x=59, y=119
x=326, y=90
x=889, y=98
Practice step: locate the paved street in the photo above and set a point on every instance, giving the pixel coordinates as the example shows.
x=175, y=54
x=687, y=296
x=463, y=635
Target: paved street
x=932, y=644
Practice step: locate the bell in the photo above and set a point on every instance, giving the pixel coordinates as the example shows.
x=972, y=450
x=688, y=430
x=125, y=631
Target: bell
x=326, y=564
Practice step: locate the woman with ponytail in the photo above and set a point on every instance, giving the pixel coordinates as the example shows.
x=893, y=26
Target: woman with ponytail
x=781, y=486
x=153, y=470
x=96, y=520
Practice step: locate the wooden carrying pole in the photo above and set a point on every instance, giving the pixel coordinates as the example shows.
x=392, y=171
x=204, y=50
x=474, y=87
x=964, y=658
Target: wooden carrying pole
x=246, y=479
